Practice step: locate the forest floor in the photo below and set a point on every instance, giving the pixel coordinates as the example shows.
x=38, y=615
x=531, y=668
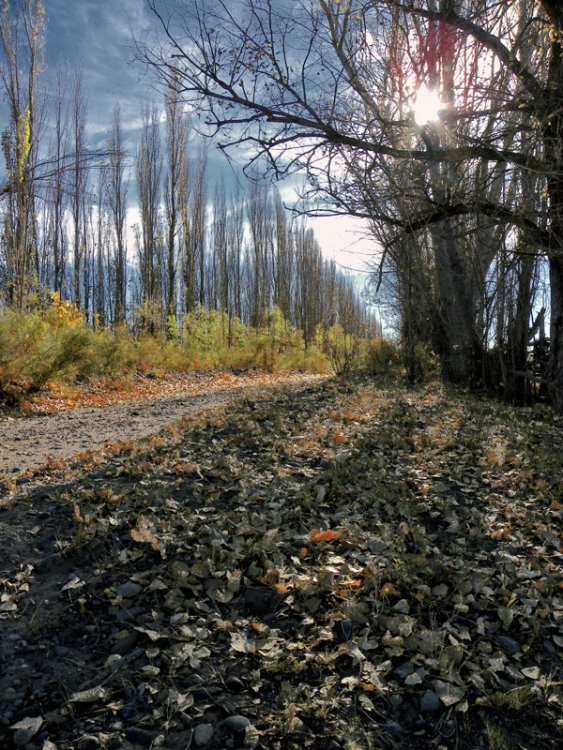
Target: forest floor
x=319, y=565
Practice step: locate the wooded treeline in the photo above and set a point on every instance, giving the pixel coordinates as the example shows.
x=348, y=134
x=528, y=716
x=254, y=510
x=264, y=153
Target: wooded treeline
x=196, y=245
x=467, y=208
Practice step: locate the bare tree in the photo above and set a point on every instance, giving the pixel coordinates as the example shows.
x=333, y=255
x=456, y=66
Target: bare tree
x=149, y=172
x=21, y=48
x=177, y=132
x=306, y=86
x=193, y=209
x=116, y=190
x=79, y=181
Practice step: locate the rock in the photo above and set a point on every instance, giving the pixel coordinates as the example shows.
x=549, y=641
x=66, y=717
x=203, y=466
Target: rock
x=61, y=651
x=129, y=590
x=430, y=702
x=140, y=736
x=33, y=711
x=22, y=737
x=88, y=742
x=192, y=680
x=203, y=734
x=202, y=693
x=234, y=684
x=125, y=645
x=237, y=723
x=449, y=694
x=48, y=745
x=404, y=670
x=508, y=644
x=261, y=601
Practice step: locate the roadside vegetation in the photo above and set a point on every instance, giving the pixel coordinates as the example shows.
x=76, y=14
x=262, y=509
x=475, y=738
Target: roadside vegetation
x=55, y=344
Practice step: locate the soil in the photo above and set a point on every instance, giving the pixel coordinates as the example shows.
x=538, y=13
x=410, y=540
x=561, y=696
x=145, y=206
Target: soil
x=36, y=438
x=46, y=654
x=215, y=581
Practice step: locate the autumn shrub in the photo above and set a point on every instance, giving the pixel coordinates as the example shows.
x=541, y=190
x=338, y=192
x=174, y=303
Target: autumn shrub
x=343, y=349
x=41, y=345
x=20, y=336
x=63, y=354
x=381, y=359
x=112, y=352
x=425, y=363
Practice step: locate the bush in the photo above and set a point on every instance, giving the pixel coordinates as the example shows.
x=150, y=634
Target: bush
x=426, y=363
x=382, y=359
x=343, y=349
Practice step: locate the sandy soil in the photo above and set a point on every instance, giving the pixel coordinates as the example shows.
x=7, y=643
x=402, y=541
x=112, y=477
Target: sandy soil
x=30, y=442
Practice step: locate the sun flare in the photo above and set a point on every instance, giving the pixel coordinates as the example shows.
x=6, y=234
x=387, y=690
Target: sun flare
x=427, y=106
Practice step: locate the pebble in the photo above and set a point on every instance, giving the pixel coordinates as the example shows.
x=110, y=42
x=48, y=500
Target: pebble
x=192, y=680
x=203, y=734
x=125, y=645
x=61, y=651
x=234, y=683
x=88, y=742
x=237, y=723
x=22, y=736
x=129, y=589
x=509, y=644
x=430, y=702
x=404, y=670
x=140, y=736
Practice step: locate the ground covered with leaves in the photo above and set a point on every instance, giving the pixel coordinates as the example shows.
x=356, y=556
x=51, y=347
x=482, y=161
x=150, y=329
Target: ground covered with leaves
x=335, y=566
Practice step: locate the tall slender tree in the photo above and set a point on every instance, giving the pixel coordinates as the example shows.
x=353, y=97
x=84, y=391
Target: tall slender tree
x=21, y=48
x=116, y=189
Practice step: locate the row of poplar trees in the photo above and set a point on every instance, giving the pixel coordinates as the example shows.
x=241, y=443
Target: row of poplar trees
x=66, y=214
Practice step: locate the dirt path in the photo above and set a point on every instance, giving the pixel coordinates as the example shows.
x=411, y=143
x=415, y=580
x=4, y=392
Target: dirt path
x=28, y=443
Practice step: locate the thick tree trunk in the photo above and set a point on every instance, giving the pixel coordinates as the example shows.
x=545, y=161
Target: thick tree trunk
x=553, y=143
x=556, y=352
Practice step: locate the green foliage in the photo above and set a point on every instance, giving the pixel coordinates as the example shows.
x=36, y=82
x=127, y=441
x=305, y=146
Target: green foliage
x=343, y=349
x=382, y=359
x=425, y=362
x=54, y=342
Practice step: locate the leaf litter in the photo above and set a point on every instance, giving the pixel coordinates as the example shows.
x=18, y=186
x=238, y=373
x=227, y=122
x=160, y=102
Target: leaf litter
x=329, y=566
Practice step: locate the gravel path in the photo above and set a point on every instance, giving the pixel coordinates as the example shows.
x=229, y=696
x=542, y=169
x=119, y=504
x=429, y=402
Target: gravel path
x=29, y=443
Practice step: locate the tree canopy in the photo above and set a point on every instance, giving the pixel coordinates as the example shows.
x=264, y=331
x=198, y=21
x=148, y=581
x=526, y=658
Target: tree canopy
x=328, y=89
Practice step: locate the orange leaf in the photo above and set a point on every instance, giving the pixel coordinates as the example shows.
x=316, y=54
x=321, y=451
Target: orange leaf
x=325, y=536
x=356, y=584
x=388, y=590
x=303, y=552
x=282, y=589
x=273, y=577
x=339, y=437
x=555, y=505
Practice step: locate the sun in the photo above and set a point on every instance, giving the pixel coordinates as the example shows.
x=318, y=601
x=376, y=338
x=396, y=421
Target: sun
x=427, y=106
